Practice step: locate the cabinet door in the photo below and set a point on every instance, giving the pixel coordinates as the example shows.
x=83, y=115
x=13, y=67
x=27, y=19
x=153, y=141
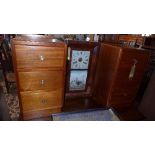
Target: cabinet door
x=107, y=63
x=129, y=74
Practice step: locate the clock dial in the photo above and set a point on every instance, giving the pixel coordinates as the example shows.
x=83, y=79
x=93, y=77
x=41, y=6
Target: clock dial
x=80, y=59
x=78, y=80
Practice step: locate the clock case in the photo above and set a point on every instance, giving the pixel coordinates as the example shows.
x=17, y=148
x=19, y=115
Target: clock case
x=93, y=47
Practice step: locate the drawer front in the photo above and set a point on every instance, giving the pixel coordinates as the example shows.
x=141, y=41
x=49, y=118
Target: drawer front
x=34, y=101
x=40, y=80
x=39, y=56
x=40, y=113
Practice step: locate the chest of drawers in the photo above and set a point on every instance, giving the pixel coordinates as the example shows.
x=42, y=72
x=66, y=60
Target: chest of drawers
x=40, y=71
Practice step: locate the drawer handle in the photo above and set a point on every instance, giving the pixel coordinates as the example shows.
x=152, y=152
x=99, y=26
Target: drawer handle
x=44, y=101
x=133, y=69
x=42, y=82
x=41, y=58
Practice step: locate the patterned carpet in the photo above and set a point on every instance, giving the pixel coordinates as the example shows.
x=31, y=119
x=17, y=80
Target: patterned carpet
x=12, y=101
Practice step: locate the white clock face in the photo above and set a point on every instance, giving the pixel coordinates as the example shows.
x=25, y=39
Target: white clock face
x=78, y=80
x=80, y=59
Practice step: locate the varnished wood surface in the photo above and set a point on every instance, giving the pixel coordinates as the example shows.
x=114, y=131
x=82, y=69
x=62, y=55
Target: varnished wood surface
x=40, y=80
x=124, y=89
x=105, y=72
x=113, y=86
x=32, y=101
x=39, y=56
x=37, y=101
x=45, y=113
x=37, y=40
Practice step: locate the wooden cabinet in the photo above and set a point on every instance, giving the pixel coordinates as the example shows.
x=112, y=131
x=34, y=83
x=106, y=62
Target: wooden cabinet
x=118, y=75
x=40, y=71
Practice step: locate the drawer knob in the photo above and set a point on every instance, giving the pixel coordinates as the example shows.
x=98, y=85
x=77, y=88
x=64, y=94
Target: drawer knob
x=41, y=58
x=42, y=82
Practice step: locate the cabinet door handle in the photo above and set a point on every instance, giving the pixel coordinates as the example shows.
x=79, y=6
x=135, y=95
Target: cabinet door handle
x=41, y=57
x=69, y=51
x=133, y=69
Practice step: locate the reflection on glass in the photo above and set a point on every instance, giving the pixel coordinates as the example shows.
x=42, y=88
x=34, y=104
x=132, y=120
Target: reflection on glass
x=78, y=80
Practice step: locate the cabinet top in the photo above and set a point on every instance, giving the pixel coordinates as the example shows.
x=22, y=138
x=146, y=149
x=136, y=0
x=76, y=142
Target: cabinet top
x=37, y=40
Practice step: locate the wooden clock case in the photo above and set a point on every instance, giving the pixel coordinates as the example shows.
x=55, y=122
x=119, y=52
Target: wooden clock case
x=93, y=47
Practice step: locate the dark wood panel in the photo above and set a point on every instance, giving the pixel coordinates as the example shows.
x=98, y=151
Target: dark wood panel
x=125, y=88
x=113, y=85
x=106, y=69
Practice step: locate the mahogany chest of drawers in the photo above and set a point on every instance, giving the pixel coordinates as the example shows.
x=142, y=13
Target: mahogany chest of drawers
x=40, y=71
x=118, y=75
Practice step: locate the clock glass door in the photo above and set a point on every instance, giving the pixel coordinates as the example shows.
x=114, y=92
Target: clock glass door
x=77, y=80
x=79, y=70
x=80, y=59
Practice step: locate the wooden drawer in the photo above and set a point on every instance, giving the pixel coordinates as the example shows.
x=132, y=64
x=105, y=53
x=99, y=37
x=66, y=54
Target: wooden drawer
x=40, y=80
x=39, y=56
x=34, y=101
x=30, y=115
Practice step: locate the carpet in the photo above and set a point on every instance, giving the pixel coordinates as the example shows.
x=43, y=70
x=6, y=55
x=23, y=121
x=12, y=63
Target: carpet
x=11, y=99
x=87, y=115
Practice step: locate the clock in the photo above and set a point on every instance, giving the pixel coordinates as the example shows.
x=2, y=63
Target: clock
x=78, y=80
x=80, y=59
x=81, y=67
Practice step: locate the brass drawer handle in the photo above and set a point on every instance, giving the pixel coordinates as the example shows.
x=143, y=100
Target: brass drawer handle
x=133, y=69
x=44, y=101
x=41, y=57
x=42, y=82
